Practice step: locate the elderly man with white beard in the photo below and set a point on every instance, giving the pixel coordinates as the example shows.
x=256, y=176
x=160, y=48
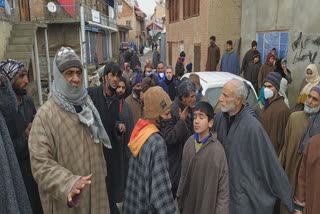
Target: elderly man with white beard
x=255, y=174
x=297, y=133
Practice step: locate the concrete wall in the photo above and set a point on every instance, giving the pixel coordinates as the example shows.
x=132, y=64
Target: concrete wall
x=219, y=18
x=5, y=30
x=185, y=33
x=299, y=18
x=224, y=22
x=59, y=35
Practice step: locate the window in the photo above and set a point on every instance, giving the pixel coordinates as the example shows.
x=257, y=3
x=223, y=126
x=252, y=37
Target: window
x=173, y=10
x=191, y=8
x=268, y=40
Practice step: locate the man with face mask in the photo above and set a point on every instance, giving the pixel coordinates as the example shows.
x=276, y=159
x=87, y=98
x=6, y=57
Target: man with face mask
x=213, y=55
x=65, y=144
x=159, y=76
x=148, y=184
x=19, y=125
x=171, y=83
x=275, y=113
x=256, y=178
x=106, y=101
x=296, y=133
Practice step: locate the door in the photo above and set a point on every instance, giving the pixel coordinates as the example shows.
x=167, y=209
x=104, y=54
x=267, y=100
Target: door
x=24, y=10
x=197, y=57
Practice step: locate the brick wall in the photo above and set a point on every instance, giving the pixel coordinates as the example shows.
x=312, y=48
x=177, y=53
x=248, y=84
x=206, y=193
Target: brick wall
x=219, y=18
x=37, y=8
x=15, y=13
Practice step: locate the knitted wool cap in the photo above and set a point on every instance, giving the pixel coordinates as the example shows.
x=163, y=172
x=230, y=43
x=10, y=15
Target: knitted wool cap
x=156, y=102
x=66, y=58
x=274, y=78
x=11, y=68
x=316, y=88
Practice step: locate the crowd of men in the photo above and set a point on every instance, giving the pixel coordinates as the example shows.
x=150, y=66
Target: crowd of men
x=146, y=142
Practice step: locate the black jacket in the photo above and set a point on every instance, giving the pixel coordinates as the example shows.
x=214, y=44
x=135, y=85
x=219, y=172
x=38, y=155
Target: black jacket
x=108, y=108
x=17, y=125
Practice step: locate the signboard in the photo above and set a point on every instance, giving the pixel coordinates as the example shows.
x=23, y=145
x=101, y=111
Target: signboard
x=119, y=7
x=95, y=16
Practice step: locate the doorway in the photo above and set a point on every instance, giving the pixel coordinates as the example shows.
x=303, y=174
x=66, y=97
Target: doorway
x=24, y=10
x=197, y=57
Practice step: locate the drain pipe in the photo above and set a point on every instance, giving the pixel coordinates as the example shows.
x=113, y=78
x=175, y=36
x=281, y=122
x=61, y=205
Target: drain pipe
x=83, y=44
x=48, y=58
x=37, y=68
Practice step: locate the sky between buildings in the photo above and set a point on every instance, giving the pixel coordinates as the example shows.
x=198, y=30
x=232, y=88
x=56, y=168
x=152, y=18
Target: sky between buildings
x=147, y=6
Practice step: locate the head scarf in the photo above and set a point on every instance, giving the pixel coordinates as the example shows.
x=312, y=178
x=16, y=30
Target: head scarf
x=67, y=97
x=11, y=68
x=311, y=80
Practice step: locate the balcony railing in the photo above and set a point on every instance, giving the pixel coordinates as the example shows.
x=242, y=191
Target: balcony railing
x=71, y=13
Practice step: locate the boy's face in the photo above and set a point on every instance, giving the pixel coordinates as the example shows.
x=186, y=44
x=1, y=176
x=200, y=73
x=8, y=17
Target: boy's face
x=200, y=122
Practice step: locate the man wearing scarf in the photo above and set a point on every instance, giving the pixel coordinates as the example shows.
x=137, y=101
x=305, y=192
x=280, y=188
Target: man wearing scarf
x=106, y=101
x=13, y=194
x=19, y=125
x=312, y=79
x=66, y=144
x=297, y=133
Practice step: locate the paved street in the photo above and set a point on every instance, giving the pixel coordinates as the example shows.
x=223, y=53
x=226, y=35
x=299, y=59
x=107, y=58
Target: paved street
x=147, y=55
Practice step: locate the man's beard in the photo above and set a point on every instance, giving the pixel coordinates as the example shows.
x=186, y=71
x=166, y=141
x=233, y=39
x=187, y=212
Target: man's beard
x=229, y=108
x=19, y=91
x=310, y=110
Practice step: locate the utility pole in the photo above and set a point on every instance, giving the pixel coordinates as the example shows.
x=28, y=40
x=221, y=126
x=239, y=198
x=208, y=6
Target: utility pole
x=83, y=44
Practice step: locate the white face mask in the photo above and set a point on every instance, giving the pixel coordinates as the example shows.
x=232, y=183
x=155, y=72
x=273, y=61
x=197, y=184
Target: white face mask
x=161, y=75
x=310, y=110
x=268, y=93
x=148, y=74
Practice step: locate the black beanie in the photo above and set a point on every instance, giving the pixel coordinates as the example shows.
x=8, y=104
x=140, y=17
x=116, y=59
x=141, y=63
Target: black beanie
x=274, y=78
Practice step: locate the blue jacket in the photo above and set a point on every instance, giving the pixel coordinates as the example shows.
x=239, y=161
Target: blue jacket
x=230, y=62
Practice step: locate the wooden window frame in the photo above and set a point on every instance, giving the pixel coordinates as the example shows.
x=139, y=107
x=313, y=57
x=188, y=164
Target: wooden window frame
x=173, y=11
x=191, y=8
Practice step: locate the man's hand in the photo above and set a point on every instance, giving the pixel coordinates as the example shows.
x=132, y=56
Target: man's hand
x=28, y=129
x=184, y=114
x=122, y=128
x=76, y=189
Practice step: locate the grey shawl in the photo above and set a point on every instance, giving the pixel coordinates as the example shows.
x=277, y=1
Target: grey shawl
x=256, y=177
x=13, y=194
x=67, y=97
x=312, y=129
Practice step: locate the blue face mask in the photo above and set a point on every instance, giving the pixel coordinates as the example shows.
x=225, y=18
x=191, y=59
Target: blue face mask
x=182, y=59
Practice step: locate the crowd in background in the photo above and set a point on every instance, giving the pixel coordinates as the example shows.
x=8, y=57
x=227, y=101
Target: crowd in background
x=144, y=141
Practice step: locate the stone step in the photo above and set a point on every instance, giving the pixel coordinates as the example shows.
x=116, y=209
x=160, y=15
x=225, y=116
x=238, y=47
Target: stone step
x=22, y=33
x=24, y=26
x=21, y=41
x=19, y=48
x=18, y=55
